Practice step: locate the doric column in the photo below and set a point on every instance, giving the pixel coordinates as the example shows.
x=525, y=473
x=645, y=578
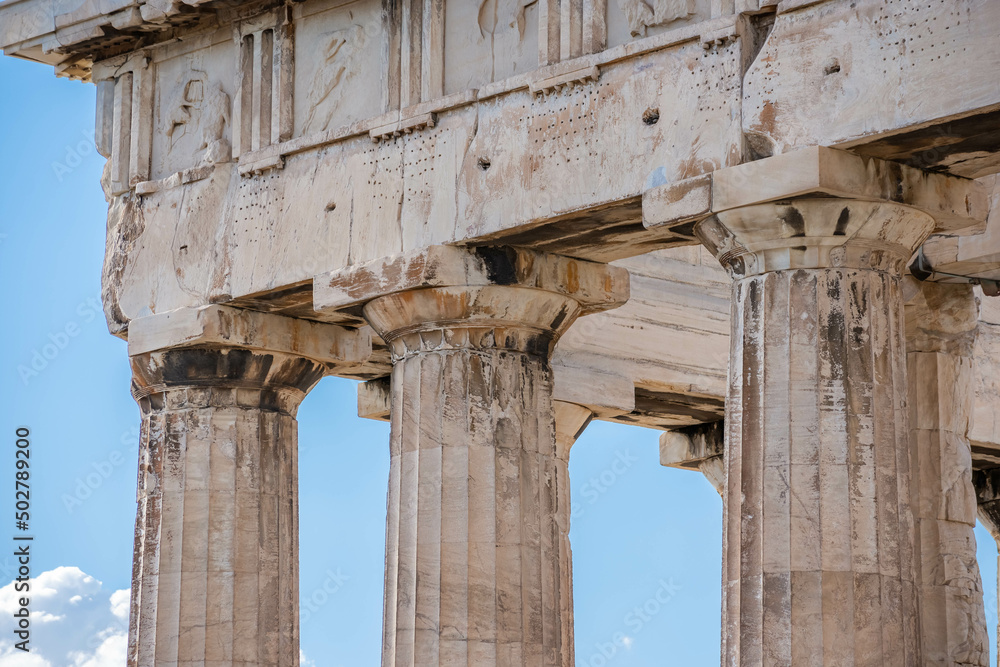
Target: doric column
x=215, y=572
x=941, y=325
x=818, y=562
x=477, y=569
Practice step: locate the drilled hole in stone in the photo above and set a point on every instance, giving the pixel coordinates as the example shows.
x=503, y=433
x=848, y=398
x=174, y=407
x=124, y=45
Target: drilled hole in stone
x=651, y=116
x=832, y=67
x=332, y=206
x=484, y=163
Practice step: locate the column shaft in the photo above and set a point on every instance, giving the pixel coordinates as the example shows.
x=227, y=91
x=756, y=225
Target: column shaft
x=474, y=574
x=215, y=574
x=817, y=555
x=941, y=329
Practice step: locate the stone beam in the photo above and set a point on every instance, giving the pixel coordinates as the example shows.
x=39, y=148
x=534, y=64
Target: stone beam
x=964, y=258
x=869, y=76
x=398, y=175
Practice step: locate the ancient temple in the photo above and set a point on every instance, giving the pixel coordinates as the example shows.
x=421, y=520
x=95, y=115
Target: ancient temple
x=769, y=229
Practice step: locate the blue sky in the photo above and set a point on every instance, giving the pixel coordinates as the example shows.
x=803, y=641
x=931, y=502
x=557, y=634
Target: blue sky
x=641, y=533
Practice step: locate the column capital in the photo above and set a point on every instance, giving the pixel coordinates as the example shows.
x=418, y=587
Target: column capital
x=815, y=233
x=446, y=297
x=816, y=207
x=218, y=355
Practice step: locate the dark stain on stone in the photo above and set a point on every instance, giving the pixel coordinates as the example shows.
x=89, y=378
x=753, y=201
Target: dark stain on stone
x=559, y=319
x=935, y=148
x=539, y=345
x=845, y=217
x=793, y=218
x=738, y=267
x=500, y=263
x=649, y=402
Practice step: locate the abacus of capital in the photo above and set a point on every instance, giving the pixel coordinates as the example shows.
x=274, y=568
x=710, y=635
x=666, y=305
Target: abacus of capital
x=758, y=226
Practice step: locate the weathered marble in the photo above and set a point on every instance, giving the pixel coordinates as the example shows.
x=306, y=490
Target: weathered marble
x=478, y=564
x=818, y=530
x=941, y=324
x=215, y=573
x=441, y=179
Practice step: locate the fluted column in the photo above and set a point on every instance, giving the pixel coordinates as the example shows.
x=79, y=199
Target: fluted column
x=477, y=562
x=571, y=420
x=818, y=563
x=941, y=325
x=215, y=570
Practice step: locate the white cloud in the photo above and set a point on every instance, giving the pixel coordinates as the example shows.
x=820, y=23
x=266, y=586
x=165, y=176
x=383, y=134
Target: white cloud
x=120, y=604
x=75, y=623
x=304, y=661
x=12, y=657
x=111, y=653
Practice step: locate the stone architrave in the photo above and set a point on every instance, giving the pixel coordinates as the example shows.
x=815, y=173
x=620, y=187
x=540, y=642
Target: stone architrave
x=215, y=570
x=477, y=558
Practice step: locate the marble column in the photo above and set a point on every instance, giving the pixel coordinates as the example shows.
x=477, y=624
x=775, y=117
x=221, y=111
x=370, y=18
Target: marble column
x=477, y=562
x=215, y=570
x=570, y=422
x=818, y=562
x=941, y=326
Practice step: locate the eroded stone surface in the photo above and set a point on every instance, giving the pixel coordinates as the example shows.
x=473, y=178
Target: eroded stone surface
x=281, y=175
x=477, y=557
x=215, y=573
x=941, y=323
x=818, y=529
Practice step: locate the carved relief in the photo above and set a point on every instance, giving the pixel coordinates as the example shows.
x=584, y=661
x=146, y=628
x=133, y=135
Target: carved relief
x=197, y=117
x=488, y=40
x=641, y=16
x=186, y=98
x=339, y=50
x=214, y=119
x=493, y=13
x=342, y=74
